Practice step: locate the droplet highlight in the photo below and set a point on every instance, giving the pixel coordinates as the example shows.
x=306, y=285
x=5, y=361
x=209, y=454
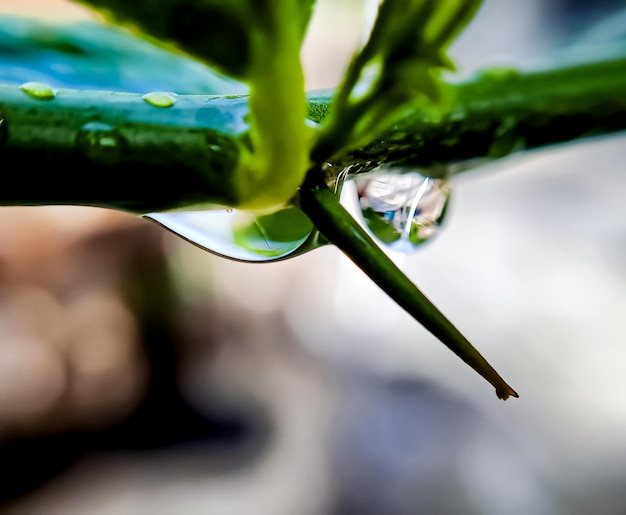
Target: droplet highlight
x=160, y=98
x=402, y=209
x=38, y=90
x=101, y=142
x=244, y=235
x=4, y=134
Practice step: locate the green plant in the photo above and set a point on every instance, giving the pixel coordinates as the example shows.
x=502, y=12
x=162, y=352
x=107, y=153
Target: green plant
x=278, y=156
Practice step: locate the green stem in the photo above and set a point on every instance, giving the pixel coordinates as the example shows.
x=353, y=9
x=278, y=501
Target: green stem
x=187, y=154
x=503, y=111
x=279, y=158
x=166, y=157
x=335, y=223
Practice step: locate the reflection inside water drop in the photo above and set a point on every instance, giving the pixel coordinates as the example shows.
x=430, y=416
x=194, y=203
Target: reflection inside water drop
x=100, y=142
x=402, y=209
x=244, y=235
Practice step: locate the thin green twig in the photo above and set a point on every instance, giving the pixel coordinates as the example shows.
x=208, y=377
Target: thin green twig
x=335, y=223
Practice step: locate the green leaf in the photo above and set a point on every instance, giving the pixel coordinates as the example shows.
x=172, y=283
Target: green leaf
x=400, y=65
x=221, y=33
x=210, y=31
x=87, y=55
x=259, y=43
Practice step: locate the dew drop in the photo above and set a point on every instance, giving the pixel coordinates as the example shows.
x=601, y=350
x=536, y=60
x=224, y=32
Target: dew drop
x=160, y=98
x=402, y=209
x=500, y=73
x=506, y=139
x=244, y=235
x=100, y=142
x=3, y=129
x=38, y=90
x=312, y=124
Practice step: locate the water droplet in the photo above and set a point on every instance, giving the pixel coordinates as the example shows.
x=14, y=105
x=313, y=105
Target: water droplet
x=500, y=73
x=38, y=90
x=3, y=129
x=506, y=139
x=160, y=98
x=366, y=80
x=312, y=124
x=402, y=209
x=244, y=235
x=100, y=142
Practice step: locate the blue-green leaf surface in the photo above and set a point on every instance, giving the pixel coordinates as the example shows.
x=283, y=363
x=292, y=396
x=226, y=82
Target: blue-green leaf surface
x=87, y=55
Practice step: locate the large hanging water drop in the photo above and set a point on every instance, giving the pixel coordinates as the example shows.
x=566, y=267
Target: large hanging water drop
x=402, y=209
x=244, y=235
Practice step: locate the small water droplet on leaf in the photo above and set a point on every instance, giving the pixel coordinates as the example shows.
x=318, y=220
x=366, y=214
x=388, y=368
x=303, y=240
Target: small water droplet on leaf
x=160, y=98
x=3, y=129
x=402, y=209
x=38, y=90
x=100, y=142
x=243, y=235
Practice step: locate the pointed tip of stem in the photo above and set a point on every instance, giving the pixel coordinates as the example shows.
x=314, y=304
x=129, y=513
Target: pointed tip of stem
x=337, y=225
x=505, y=392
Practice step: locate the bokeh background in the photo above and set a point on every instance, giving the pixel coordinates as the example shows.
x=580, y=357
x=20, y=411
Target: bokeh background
x=141, y=375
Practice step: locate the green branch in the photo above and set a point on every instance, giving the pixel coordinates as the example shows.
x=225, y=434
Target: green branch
x=500, y=112
x=158, y=152
x=335, y=223
x=118, y=151
x=160, y=158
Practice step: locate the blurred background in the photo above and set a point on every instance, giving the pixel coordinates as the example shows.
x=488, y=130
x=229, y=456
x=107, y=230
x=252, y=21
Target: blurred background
x=142, y=375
